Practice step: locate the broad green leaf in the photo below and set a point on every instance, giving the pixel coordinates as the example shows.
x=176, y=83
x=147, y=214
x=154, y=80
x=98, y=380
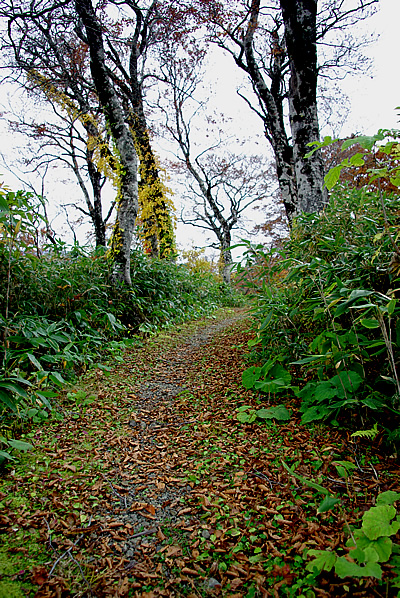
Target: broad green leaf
x=314, y=485
x=366, y=141
x=8, y=400
x=270, y=385
x=357, y=160
x=315, y=413
x=391, y=306
x=278, y=371
x=279, y=412
x=376, y=522
x=4, y=205
x=42, y=397
x=20, y=445
x=267, y=320
x=254, y=341
x=369, y=323
x=307, y=360
x=344, y=467
x=245, y=417
x=324, y=561
x=35, y=362
x=15, y=388
x=387, y=498
x=358, y=293
x=325, y=391
x=250, y=376
x=345, y=568
x=354, y=295
x=5, y=455
x=328, y=503
x=234, y=532
x=349, y=379
x=57, y=379
x=332, y=176
x=382, y=547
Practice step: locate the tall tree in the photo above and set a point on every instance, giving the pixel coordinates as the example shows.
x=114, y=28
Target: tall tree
x=222, y=184
x=64, y=142
x=127, y=201
x=267, y=41
x=128, y=56
x=45, y=39
x=221, y=190
x=300, y=24
x=47, y=59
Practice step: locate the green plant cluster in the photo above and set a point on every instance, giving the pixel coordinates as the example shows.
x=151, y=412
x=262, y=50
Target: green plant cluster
x=327, y=310
x=60, y=313
x=368, y=545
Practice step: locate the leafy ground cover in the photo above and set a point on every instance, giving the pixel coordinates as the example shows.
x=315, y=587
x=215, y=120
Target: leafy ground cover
x=151, y=486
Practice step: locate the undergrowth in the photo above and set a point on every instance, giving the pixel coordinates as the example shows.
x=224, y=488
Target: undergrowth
x=327, y=315
x=60, y=314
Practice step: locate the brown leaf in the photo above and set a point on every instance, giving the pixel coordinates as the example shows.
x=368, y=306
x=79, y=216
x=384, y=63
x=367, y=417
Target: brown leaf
x=173, y=550
x=188, y=571
x=39, y=575
x=70, y=467
x=160, y=535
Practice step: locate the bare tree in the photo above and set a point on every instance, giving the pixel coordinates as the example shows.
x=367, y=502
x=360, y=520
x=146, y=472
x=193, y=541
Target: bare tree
x=47, y=59
x=113, y=111
x=221, y=190
x=64, y=142
x=275, y=44
x=222, y=184
x=45, y=41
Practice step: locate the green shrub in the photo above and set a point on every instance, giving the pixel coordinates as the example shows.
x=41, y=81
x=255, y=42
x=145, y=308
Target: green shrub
x=59, y=313
x=330, y=309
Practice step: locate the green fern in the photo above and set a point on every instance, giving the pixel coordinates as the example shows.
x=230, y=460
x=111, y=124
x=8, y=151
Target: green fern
x=371, y=434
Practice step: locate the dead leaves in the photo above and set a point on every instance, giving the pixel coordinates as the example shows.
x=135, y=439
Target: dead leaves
x=237, y=520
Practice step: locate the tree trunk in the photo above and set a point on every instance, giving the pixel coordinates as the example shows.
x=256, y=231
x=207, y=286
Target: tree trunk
x=157, y=222
x=300, y=18
x=226, y=257
x=127, y=204
x=96, y=213
x=272, y=101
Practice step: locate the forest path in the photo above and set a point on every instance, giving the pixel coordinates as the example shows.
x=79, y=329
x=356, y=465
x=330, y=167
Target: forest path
x=150, y=486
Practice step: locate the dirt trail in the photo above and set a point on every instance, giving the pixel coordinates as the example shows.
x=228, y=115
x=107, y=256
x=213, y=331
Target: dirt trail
x=150, y=487
x=153, y=495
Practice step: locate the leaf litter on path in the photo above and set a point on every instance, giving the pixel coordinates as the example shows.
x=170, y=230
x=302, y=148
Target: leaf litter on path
x=153, y=488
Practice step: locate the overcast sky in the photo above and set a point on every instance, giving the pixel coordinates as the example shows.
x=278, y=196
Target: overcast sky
x=373, y=97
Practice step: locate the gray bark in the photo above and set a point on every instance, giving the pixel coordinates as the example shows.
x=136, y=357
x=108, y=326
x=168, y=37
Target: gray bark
x=300, y=21
x=127, y=206
x=226, y=255
x=271, y=99
x=161, y=242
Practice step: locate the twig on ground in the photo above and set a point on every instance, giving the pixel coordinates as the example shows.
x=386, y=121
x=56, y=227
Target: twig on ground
x=49, y=530
x=375, y=473
x=148, y=532
x=68, y=553
x=261, y=475
x=121, y=498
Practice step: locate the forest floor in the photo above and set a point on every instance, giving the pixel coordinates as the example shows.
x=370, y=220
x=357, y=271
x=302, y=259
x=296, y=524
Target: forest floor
x=148, y=485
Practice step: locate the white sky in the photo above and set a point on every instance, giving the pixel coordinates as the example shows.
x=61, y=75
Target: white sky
x=375, y=97
x=373, y=100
